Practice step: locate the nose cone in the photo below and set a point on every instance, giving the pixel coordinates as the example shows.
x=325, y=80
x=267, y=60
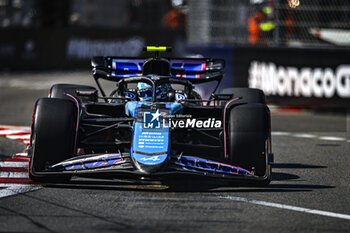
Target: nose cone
x=150, y=147
x=149, y=164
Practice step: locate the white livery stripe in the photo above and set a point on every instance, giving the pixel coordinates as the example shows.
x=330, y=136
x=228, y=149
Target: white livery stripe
x=13, y=174
x=288, y=207
x=13, y=164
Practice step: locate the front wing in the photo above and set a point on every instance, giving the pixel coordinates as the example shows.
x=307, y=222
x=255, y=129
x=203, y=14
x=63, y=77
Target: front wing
x=119, y=164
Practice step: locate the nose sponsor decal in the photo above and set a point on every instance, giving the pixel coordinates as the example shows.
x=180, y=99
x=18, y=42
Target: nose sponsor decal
x=153, y=158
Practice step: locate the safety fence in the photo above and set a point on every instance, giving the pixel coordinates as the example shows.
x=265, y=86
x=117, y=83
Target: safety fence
x=269, y=22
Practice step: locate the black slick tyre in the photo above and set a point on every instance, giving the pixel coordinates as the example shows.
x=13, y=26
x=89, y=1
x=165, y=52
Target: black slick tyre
x=249, y=137
x=53, y=136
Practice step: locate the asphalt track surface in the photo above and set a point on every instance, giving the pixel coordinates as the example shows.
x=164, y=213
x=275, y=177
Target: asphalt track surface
x=309, y=192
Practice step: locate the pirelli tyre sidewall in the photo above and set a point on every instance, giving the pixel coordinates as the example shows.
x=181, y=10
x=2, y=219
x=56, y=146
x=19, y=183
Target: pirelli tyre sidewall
x=249, y=137
x=53, y=134
x=61, y=91
x=247, y=95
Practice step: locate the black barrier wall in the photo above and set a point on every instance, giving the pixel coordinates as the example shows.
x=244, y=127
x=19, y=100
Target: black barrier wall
x=306, y=77
x=27, y=49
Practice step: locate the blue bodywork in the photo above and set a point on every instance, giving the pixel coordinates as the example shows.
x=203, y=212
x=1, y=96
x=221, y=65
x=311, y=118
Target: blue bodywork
x=149, y=119
x=150, y=147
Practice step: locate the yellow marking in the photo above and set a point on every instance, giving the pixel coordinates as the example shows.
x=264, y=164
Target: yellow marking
x=156, y=49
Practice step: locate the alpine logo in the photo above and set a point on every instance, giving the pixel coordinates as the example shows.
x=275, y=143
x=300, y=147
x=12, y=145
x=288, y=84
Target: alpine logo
x=153, y=158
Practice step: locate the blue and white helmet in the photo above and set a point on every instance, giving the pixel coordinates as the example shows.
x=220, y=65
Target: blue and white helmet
x=144, y=91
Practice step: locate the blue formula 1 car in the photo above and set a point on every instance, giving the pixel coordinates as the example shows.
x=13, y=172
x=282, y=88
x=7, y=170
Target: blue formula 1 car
x=154, y=124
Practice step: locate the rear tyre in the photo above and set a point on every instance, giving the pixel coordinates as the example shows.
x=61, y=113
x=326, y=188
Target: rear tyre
x=249, y=138
x=248, y=95
x=61, y=91
x=53, y=136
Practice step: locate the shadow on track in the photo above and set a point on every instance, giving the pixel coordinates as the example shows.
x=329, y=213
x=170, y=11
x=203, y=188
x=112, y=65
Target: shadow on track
x=199, y=184
x=190, y=185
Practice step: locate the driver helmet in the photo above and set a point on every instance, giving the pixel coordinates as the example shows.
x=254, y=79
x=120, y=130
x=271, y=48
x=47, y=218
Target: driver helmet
x=145, y=91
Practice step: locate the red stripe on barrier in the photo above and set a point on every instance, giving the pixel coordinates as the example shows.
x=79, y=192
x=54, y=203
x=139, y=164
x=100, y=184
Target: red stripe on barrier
x=14, y=169
x=18, y=159
x=293, y=110
x=17, y=134
x=22, y=139
x=16, y=181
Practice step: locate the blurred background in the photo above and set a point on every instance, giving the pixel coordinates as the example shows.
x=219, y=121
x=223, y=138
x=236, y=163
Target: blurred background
x=295, y=50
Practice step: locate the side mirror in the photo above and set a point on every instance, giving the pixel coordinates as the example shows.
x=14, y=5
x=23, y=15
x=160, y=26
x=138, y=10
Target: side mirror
x=98, y=62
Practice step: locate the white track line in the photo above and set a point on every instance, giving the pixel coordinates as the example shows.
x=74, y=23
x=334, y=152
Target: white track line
x=14, y=189
x=23, y=154
x=10, y=131
x=277, y=133
x=15, y=127
x=13, y=164
x=26, y=142
x=304, y=135
x=19, y=137
x=288, y=207
x=327, y=138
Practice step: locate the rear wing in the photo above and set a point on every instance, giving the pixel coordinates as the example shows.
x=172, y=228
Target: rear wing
x=197, y=70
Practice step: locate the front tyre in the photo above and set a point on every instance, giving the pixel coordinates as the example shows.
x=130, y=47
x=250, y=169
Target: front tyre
x=53, y=136
x=249, y=139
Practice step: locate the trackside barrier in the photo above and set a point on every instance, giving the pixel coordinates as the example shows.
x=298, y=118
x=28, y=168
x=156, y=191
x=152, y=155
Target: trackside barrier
x=301, y=77
x=305, y=77
x=72, y=48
